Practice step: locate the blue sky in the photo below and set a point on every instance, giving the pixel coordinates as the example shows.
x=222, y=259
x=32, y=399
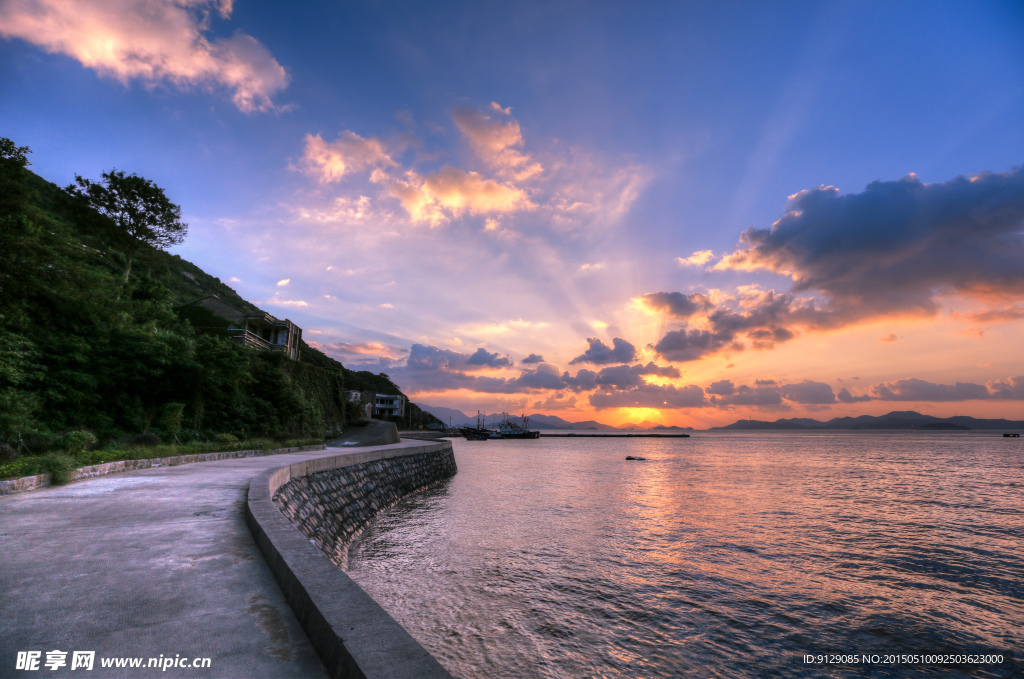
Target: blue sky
x=409, y=179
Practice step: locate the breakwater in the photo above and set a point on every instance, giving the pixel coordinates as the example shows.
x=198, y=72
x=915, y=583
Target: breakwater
x=331, y=507
x=331, y=500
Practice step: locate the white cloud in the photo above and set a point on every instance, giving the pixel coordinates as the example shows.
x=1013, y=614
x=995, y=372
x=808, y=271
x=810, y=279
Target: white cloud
x=283, y=282
x=286, y=302
x=343, y=210
x=588, y=192
x=150, y=41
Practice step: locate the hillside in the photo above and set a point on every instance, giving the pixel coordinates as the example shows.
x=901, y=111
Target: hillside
x=95, y=340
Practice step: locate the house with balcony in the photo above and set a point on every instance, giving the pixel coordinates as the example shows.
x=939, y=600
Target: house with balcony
x=389, y=404
x=256, y=330
x=378, y=405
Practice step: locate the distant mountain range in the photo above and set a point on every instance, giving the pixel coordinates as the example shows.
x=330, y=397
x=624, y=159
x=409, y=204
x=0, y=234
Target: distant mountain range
x=905, y=419
x=901, y=419
x=537, y=421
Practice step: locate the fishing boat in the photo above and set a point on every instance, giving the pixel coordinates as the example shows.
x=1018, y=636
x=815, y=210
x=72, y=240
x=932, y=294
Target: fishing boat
x=510, y=429
x=480, y=432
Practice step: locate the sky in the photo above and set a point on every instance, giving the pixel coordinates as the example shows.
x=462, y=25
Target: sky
x=681, y=212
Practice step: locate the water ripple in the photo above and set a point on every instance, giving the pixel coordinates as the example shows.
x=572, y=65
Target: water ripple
x=724, y=555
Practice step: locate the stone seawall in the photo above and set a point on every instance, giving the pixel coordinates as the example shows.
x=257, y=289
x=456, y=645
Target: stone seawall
x=332, y=507
x=332, y=498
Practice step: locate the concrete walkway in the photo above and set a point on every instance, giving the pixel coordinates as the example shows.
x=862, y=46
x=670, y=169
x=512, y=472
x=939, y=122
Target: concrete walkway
x=148, y=563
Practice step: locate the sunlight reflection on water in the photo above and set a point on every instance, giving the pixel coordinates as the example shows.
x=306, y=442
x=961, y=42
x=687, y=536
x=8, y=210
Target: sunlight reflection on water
x=730, y=554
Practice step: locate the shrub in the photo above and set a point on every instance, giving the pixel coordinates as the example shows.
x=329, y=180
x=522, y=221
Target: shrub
x=170, y=418
x=225, y=439
x=59, y=467
x=100, y=456
x=7, y=453
x=76, y=442
x=145, y=440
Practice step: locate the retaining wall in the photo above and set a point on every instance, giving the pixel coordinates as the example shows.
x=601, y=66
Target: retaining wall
x=332, y=507
x=331, y=499
x=24, y=483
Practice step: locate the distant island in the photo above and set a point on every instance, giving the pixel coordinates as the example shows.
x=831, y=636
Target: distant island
x=900, y=419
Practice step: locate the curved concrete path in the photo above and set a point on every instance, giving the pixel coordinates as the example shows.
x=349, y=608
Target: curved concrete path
x=148, y=563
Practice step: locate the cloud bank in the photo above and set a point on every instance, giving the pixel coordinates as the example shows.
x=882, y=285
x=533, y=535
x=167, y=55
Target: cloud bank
x=600, y=353
x=894, y=249
x=430, y=369
x=898, y=244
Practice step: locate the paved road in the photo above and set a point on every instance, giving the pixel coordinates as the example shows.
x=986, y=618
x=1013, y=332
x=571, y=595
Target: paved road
x=151, y=562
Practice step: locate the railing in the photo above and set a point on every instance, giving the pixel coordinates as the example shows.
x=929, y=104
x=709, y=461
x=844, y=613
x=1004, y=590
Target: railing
x=251, y=339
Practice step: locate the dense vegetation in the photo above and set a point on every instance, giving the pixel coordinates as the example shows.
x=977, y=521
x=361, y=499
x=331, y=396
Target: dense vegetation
x=96, y=341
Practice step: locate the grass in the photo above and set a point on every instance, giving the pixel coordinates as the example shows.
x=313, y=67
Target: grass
x=59, y=466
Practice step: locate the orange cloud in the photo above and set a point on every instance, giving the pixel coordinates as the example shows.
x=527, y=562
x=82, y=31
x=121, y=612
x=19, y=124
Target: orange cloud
x=1010, y=313
x=374, y=348
x=699, y=258
x=577, y=192
x=452, y=192
x=151, y=41
x=330, y=161
x=495, y=141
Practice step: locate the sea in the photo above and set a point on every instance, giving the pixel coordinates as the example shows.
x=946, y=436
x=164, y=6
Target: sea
x=726, y=554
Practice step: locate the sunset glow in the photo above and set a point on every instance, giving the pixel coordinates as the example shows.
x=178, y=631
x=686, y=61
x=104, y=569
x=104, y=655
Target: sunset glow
x=676, y=213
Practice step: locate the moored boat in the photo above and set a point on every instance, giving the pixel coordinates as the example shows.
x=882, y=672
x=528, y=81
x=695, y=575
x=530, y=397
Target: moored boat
x=507, y=429
x=513, y=430
x=480, y=431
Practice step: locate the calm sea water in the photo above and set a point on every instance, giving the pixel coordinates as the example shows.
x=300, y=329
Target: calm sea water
x=725, y=555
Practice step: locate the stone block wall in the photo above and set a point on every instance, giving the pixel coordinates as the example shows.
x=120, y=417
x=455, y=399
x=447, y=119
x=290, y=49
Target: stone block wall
x=24, y=483
x=331, y=507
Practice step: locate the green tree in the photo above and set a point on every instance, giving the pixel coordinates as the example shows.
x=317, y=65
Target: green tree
x=10, y=151
x=17, y=365
x=140, y=211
